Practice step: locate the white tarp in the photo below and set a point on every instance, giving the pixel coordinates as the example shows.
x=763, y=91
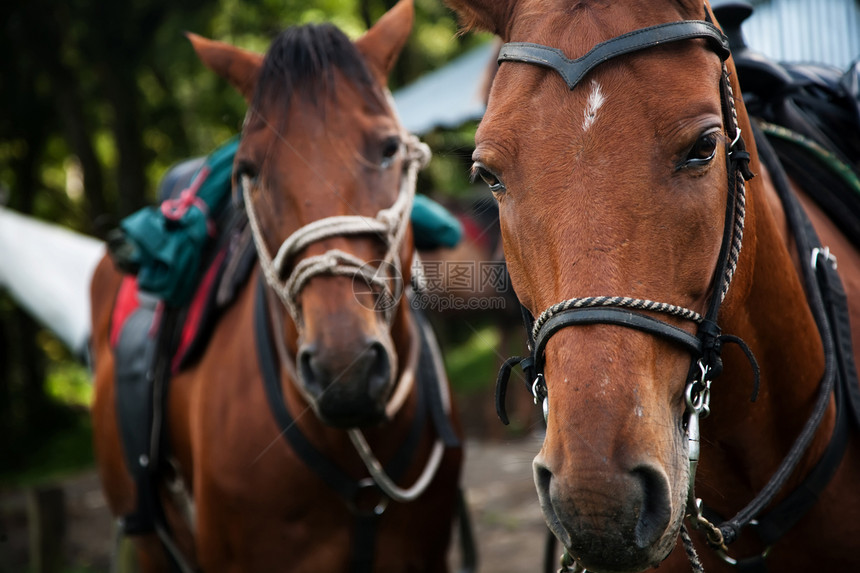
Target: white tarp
x=47, y=270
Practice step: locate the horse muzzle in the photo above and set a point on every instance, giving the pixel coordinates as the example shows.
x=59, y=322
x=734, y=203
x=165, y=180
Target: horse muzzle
x=347, y=388
x=610, y=521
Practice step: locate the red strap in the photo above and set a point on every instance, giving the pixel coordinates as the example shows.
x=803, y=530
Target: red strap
x=195, y=311
x=126, y=304
x=175, y=209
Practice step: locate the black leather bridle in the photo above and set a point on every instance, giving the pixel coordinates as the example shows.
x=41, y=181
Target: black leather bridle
x=705, y=346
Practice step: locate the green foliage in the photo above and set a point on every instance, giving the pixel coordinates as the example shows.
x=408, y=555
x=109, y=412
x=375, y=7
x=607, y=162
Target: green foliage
x=471, y=364
x=448, y=173
x=136, y=95
x=69, y=383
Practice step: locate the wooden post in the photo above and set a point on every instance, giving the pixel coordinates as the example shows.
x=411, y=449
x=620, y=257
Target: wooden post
x=125, y=559
x=46, y=518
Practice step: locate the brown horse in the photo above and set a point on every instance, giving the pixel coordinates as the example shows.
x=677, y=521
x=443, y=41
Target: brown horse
x=611, y=143
x=327, y=176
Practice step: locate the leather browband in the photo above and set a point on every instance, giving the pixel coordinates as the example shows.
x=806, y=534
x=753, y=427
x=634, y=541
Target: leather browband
x=574, y=70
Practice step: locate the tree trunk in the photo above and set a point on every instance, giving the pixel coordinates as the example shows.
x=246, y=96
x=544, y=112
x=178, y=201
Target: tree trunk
x=123, y=96
x=79, y=136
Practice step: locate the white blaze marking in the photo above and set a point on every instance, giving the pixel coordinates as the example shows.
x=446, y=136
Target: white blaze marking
x=594, y=103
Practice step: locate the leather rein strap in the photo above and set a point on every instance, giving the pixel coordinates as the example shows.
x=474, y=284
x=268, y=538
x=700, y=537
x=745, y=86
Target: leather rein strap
x=829, y=306
x=430, y=409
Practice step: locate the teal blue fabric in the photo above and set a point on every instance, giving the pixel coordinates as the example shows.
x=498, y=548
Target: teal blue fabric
x=168, y=253
x=433, y=226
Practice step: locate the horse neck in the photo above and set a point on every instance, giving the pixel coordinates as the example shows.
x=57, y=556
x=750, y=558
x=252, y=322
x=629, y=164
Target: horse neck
x=766, y=306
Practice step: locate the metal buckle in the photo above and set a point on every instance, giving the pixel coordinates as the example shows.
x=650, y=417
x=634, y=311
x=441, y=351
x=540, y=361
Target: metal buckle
x=539, y=392
x=736, y=139
x=733, y=562
x=569, y=565
x=378, y=509
x=536, y=388
x=697, y=395
x=826, y=254
x=700, y=401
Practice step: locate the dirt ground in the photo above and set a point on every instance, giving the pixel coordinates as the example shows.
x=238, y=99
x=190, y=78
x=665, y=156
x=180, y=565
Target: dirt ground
x=499, y=490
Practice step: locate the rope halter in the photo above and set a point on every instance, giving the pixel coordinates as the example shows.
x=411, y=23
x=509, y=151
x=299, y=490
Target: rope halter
x=389, y=225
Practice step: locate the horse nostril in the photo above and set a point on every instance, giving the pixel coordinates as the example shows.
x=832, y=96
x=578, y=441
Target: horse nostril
x=543, y=477
x=308, y=370
x=379, y=369
x=655, y=509
x=543, y=483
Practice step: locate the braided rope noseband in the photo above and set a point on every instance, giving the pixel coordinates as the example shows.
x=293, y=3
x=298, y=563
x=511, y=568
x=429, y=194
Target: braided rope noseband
x=389, y=225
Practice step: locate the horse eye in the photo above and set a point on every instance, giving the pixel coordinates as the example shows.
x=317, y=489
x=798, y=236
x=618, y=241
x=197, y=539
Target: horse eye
x=703, y=151
x=390, y=147
x=493, y=182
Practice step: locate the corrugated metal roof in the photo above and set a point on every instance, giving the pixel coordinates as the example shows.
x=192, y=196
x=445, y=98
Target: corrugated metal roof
x=447, y=97
x=820, y=31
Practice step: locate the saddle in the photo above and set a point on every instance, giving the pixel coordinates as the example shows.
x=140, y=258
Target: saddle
x=186, y=261
x=810, y=114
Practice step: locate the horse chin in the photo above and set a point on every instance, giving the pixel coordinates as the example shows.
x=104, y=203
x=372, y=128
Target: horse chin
x=609, y=553
x=347, y=421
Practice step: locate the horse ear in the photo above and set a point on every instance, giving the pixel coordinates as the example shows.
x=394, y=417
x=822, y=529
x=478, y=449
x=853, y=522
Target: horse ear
x=239, y=67
x=381, y=45
x=490, y=15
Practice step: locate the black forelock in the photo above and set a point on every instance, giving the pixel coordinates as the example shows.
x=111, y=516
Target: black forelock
x=302, y=60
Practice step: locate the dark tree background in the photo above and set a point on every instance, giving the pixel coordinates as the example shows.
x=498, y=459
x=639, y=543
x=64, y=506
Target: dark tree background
x=99, y=97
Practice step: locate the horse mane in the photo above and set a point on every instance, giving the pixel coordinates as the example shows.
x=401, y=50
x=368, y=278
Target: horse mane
x=302, y=60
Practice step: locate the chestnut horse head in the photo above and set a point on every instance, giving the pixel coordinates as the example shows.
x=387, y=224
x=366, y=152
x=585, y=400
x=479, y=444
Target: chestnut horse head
x=327, y=173
x=632, y=160
x=611, y=142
